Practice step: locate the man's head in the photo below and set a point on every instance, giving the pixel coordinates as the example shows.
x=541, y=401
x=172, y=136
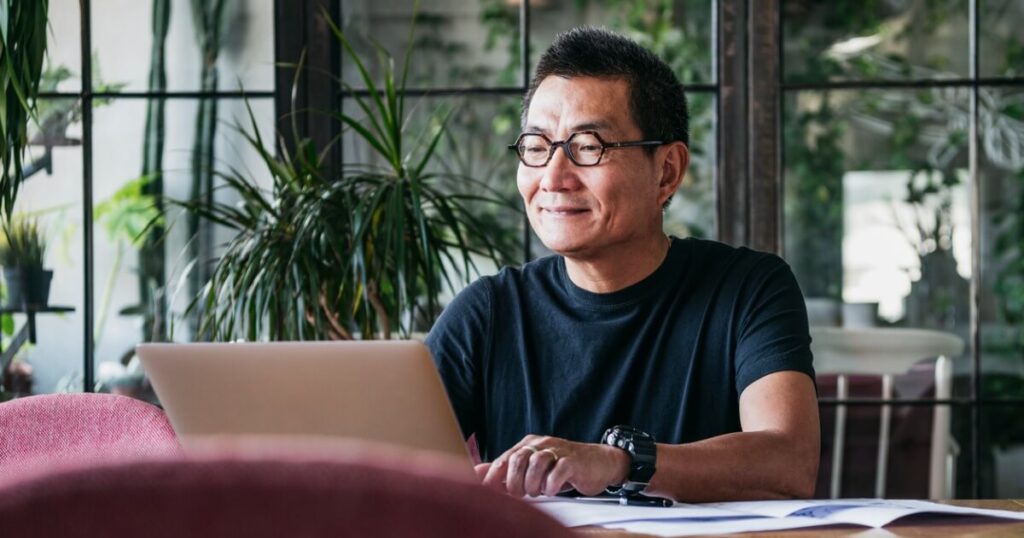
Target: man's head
x=592, y=80
x=656, y=101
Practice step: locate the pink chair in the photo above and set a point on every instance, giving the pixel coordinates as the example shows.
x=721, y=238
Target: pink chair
x=357, y=492
x=55, y=427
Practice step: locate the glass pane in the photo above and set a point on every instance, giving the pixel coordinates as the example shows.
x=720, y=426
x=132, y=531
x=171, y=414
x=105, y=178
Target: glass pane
x=123, y=37
x=875, y=40
x=692, y=211
x=1002, y=455
x=138, y=288
x=1001, y=44
x=63, y=62
x=52, y=194
x=472, y=150
x=877, y=222
x=457, y=43
x=681, y=32
x=1001, y=166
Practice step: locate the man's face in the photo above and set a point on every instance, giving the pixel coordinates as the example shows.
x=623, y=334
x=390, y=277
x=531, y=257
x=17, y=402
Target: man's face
x=583, y=212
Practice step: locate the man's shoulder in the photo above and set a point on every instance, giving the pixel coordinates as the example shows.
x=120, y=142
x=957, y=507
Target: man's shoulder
x=712, y=253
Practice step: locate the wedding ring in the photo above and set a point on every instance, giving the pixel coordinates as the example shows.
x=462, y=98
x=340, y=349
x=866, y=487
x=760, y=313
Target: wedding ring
x=552, y=451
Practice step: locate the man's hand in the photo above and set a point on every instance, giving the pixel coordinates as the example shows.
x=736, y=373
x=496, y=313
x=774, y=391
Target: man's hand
x=540, y=465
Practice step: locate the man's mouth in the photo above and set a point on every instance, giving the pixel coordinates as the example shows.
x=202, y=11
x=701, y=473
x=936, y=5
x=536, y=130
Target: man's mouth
x=564, y=211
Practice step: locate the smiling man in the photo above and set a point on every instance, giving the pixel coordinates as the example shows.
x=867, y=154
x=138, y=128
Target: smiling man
x=628, y=361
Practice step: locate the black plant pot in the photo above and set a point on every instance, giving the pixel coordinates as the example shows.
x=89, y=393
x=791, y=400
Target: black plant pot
x=27, y=287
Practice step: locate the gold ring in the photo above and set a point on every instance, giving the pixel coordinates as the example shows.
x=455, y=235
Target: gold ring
x=552, y=451
x=532, y=448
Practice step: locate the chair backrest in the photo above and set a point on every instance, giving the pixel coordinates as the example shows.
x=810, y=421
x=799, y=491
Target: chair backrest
x=272, y=494
x=62, y=426
x=852, y=353
x=878, y=351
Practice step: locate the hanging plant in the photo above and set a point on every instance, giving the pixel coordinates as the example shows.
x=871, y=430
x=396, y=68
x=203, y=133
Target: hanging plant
x=22, y=49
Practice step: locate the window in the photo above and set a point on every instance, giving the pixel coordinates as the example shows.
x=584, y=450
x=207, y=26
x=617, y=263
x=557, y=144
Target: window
x=902, y=149
x=876, y=145
x=102, y=153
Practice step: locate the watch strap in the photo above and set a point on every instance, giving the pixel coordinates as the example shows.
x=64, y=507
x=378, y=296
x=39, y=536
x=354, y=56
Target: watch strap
x=640, y=447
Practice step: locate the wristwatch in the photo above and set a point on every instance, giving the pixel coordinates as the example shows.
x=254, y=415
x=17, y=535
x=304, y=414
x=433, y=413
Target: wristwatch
x=639, y=445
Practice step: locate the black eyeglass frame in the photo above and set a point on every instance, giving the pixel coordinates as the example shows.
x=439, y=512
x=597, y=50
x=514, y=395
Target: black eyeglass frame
x=565, y=147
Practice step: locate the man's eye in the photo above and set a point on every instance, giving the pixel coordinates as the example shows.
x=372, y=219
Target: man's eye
x=590, y=148
x=535, y=149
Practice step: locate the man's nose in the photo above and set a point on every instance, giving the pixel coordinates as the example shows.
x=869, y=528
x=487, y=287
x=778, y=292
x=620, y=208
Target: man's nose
x=560, y=172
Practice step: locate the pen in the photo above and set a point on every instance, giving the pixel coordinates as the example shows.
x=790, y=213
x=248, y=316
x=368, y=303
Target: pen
x=645, y=501
x=624, y=500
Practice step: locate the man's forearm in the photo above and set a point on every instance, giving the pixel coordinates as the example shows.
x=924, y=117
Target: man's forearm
x=737, y=466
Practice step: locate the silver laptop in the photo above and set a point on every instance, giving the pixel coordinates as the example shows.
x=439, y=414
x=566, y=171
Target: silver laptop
x=386, y=391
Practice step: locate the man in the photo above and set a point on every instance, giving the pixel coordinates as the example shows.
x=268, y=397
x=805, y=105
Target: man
x=676, y=367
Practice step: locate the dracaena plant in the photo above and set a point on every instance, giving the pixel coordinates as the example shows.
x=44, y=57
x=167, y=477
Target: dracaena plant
x=363, y=255
x=22, y=48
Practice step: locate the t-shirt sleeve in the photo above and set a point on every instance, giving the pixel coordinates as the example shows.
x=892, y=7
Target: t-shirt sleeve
x=773, y=334
x=457, y=342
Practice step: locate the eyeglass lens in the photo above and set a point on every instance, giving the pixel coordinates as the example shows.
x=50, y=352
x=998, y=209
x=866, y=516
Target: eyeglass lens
x=584, y=149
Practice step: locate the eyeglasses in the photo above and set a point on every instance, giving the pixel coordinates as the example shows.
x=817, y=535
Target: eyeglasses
x=584, y=148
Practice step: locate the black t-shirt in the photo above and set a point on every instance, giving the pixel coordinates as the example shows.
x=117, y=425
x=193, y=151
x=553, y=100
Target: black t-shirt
x=528, y=352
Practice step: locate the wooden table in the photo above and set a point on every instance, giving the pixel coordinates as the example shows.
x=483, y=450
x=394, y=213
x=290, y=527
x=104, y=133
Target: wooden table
x=974, y=527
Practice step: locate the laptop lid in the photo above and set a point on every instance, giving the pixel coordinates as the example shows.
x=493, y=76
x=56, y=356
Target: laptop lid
x=383, y=390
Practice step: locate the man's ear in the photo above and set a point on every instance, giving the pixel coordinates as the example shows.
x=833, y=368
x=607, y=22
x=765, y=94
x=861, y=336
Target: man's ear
x=673, y=168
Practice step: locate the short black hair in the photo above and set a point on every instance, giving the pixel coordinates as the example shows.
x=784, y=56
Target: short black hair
x=657, y=99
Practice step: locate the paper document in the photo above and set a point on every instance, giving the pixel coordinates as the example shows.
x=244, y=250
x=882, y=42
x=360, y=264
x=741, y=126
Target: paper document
x=867, y=512
x=579, y=512
x=747, y=516
x=686, y=527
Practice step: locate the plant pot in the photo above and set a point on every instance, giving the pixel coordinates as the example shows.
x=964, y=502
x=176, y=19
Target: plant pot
x=27, y=287
x=823, y=311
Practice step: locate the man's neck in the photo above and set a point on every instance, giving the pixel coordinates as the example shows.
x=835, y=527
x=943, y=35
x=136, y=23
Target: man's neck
x=619, y=269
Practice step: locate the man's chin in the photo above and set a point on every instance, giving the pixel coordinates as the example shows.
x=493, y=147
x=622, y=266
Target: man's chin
x=564, y=246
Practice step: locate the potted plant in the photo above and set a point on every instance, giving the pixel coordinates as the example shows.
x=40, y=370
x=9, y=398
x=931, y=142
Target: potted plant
x=22, y=252
x=22, y=50
x=363, y=255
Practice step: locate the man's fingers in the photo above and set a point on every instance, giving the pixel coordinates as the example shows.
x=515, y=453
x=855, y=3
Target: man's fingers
x=523, y=469
x=539, y=464
x=518, y=462
x=495, y=476
x=558, y=477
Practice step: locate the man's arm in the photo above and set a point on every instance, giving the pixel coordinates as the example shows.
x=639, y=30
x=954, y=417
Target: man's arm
x=775, y=456
x=457, y=341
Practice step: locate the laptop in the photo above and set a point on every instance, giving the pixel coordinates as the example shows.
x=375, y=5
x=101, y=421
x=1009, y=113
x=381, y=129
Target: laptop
x=384, y=390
